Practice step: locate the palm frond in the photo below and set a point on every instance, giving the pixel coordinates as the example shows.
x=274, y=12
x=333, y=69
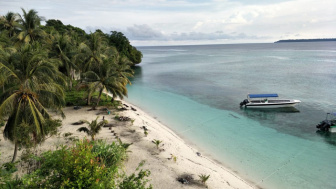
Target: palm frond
x=84, y=129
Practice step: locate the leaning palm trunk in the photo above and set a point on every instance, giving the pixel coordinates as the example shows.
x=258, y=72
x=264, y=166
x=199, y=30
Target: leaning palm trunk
x=15, y=151
x=100, y=93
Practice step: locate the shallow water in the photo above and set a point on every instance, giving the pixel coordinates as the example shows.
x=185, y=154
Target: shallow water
x=196, y=91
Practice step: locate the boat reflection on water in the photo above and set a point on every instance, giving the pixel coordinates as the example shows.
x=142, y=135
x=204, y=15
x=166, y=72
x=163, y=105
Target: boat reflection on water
x=274, y=118
x=328, y=137
x=268, y=114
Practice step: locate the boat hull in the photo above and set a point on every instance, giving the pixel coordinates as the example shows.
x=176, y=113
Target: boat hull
x=332, y=129
x=272, y=105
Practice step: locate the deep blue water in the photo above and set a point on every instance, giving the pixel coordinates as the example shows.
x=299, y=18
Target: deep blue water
x=196, y=91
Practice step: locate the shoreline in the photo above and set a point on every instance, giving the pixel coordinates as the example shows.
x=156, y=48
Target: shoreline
x=175, y=158
x=225, y=178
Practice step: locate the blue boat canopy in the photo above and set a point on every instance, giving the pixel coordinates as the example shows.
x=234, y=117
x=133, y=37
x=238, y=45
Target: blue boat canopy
x=262, y=95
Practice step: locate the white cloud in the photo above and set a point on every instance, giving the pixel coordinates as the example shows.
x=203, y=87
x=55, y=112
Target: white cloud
x=192, y=21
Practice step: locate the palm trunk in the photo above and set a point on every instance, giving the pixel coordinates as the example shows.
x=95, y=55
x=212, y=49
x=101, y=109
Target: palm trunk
x=100, y=92
x=70, y=84
x=88, y=99
x=15, y=151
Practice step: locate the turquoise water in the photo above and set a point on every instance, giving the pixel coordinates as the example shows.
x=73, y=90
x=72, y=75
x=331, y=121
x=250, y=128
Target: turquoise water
x=196, y=91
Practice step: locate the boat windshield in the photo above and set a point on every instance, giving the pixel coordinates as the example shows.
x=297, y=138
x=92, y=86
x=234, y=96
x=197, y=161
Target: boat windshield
x=262, y=95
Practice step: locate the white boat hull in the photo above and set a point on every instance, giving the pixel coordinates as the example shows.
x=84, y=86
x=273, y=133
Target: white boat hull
x=291, y=103
x=332, y=129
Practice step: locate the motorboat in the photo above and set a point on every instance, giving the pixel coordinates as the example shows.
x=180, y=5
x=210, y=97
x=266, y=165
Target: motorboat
x=329, y=124
x=267, y=101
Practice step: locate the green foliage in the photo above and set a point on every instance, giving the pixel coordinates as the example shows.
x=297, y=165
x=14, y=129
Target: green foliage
x=76, y=167
x=10, y=167
x=124, y=47
x=78, y=98
x=61, y=28
x=174, y=158
x=36, y=64
x=136, y=181
x=94, y=164
x=111, y=154
x=94, y=127
x=67, y=134
x=157, y=143
x=203, y=178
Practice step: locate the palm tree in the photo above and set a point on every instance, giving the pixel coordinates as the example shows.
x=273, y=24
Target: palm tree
x=111, y=77
x=9, y=23
x=92, y=52
x=35, y=86
x=94, y=127
x=63, y=50
x=157, y=143
x=30, y=24
x=203, y=178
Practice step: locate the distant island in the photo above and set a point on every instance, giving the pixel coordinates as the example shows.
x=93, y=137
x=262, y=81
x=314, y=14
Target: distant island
x=305, y=40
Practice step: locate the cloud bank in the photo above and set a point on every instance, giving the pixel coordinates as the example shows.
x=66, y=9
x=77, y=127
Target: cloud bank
x=160, y=22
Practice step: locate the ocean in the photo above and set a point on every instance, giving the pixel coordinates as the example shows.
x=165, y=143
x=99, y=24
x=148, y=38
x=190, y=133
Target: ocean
x=196, y=91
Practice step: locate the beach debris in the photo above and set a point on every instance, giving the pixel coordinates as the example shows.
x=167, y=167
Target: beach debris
x=122, y=109
x=185, y=179
x=199, y=154
x=144, y=128
x=133, y=109
x=80, y=122
x=109, y=125
x=125, y=105
x=123, y=118
x=77, y=107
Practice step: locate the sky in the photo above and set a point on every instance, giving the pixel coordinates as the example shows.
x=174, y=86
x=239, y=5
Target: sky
x=189, y=22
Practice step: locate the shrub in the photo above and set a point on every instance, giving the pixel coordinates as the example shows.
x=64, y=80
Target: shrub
x=138, y=181
x=76, y=167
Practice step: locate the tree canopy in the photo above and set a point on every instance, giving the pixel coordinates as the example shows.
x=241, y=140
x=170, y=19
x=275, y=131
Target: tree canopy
x=38, y=63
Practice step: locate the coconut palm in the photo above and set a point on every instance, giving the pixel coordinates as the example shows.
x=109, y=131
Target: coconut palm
x=34, y=87
x=110, y=77
x=204, y=178
x=94, y=127
x=9, y=23
x=92, y=52
x=63, y=50
x=30, y=28
x=157, y=143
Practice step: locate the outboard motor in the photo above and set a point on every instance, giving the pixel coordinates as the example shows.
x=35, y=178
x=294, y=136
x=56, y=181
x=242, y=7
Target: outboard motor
x=324, y=125
x=244, y=103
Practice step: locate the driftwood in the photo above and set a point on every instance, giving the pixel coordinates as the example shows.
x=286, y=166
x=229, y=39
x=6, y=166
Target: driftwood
x=78, y=123
x=124, y=118
x=77, y=107
x=108, y=125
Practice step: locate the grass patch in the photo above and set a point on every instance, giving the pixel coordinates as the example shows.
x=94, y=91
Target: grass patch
x=79, y=98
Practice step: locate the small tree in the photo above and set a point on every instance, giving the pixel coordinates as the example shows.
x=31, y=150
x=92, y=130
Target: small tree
x=94, y=127
x=157, y=143
x=203, y=178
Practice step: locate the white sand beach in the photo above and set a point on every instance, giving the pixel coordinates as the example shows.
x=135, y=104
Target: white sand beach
x=161, y=162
